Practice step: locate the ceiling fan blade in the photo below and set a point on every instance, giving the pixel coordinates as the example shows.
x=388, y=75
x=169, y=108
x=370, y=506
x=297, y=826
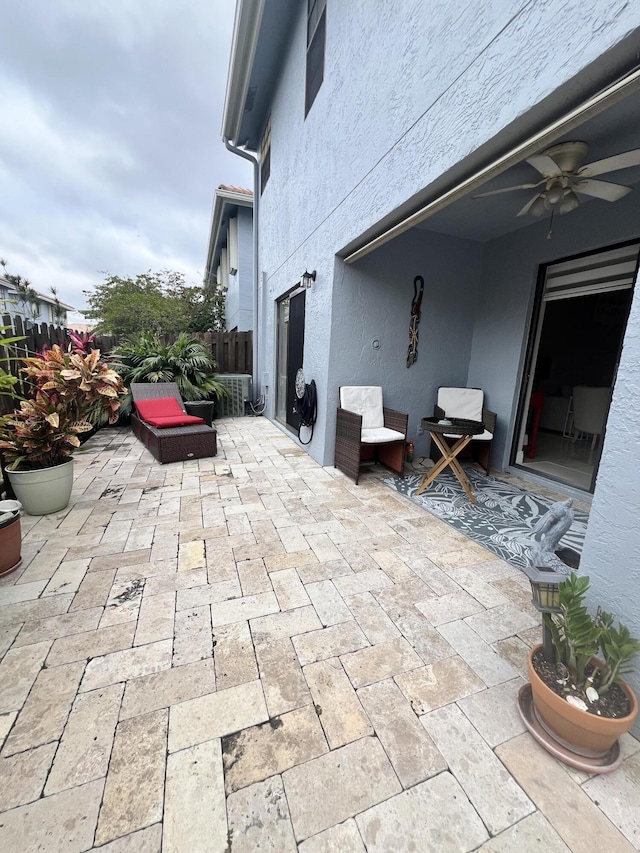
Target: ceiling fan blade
x=601, y=189
x=508, y=190
x=545, y=165
x=611, y=164
x=528, y=205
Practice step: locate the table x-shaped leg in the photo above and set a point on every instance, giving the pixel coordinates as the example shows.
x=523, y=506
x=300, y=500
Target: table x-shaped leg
x=449, y=461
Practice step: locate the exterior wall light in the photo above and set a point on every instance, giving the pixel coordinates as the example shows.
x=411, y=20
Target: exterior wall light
x=546, y=599
x=307, y=279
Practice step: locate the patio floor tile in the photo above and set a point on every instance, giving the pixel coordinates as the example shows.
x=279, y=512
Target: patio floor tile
x=411, y=750
x=338, y=785
x=195, y=816
x=438, y=684
x=434, y=815
x=86, y=744
x=265, y=750
x=215, y=715
x=259, y=819
x=341, y=714
x=63, y=823
x=134, y=789
x=496, y=796
x=259, y=602
x=566, y=806
x=381, y=661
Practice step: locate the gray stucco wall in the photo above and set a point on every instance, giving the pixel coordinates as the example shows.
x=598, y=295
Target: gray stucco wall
x=611, y=555
x=509, y=275
x=239, y=299
x=372, y=301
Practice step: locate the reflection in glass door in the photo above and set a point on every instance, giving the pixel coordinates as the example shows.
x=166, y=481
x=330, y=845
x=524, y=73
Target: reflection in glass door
x=290, y=348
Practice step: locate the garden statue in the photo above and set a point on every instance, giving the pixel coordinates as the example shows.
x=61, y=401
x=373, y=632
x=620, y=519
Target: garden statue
x=551, y=528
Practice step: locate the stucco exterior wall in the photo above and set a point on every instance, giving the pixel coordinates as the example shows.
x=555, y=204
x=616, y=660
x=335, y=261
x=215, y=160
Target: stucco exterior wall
x=611, y=555
x=410, y=91
x=239, y=298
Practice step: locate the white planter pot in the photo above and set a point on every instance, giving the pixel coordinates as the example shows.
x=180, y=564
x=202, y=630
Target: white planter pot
x=44, y=490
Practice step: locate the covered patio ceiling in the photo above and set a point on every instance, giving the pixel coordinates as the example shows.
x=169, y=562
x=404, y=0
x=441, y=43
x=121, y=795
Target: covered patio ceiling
x=613, y=131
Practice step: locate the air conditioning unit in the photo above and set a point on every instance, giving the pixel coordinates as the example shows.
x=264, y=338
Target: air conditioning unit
x=239, y=386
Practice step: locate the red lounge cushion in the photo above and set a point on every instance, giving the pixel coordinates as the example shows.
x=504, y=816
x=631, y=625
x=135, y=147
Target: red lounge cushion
x=163, y=407
x=174, y=421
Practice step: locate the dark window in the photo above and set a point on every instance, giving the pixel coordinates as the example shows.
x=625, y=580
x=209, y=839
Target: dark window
x=316, y=32
x=265, y=156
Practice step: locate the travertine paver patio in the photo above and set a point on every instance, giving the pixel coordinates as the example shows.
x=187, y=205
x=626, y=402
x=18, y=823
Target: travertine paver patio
x=252, y=653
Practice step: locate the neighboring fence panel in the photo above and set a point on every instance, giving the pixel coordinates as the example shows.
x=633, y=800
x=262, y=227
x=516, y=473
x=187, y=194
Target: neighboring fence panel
x=232, y=351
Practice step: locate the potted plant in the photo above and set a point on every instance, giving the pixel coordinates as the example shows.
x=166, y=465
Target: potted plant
x=580, y=699
x=186, y=361
x=73, y=393
x=10, y=528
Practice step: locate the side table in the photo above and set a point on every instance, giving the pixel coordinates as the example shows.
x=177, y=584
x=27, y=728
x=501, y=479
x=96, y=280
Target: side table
x=455, y=427
x=201, y=409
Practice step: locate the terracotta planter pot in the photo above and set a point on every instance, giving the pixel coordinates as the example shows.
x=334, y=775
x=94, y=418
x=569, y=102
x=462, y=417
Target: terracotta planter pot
x=10, y=545
x=584, y=733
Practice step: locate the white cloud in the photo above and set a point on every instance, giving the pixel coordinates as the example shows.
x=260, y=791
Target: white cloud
x=110, y=146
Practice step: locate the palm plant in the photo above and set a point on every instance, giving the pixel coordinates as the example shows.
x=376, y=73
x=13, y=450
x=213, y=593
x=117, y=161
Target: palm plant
x=185, y=362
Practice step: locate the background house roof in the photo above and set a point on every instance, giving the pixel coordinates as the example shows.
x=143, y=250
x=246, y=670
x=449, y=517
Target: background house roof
x=226, y=202
x=46, y=298
x=260, y=35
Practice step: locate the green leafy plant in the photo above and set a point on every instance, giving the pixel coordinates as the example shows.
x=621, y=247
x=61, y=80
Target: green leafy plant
x=578, y=637
x=185, y=362
x=72, y=394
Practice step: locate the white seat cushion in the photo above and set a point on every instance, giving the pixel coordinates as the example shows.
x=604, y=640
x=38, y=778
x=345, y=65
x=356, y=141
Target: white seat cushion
x=485, y=436
x=464, y=403
x=380, y=435
x=364, y=400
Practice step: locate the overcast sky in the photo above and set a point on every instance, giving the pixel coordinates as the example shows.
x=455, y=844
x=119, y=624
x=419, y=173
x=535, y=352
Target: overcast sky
x=110, y=147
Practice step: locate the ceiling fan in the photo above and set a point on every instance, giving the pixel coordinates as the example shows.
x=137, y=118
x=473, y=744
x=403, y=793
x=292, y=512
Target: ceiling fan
x=563, y=177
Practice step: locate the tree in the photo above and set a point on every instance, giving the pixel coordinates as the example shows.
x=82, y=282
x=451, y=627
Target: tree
x=157, y=302
x=127, y=306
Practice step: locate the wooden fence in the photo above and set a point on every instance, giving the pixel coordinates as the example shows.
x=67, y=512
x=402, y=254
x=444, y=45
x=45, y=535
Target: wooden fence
x=231, y=351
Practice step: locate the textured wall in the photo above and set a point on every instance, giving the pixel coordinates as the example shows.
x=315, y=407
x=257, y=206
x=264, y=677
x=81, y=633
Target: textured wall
x=409, y=92
x=239, y=299
x=611, y=555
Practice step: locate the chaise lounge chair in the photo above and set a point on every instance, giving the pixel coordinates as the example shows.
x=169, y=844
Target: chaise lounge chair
x=162, y=423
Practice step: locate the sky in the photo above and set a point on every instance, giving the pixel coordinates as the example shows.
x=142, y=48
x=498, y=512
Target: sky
x=110, y=137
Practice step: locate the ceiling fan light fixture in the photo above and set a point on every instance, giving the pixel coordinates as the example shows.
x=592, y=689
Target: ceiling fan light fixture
x=568, y=203
x=555, y=194
x=538, y=208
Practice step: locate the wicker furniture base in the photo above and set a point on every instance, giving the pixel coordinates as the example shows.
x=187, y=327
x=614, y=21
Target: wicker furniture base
x=176, y=444
x=350, y=451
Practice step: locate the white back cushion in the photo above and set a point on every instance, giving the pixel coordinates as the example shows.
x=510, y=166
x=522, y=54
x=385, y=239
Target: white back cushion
x=365, y=400
x=461, y=402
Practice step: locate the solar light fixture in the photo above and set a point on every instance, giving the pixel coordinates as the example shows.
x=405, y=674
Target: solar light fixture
x=545, y=597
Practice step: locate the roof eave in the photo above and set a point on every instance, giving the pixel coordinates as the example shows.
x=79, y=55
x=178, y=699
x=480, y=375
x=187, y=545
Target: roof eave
x=246, y=30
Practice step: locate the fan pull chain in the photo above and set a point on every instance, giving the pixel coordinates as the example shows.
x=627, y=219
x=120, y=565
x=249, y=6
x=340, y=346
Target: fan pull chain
x=550, y=224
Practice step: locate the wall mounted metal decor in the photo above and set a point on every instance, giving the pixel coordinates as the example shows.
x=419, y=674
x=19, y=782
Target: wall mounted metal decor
x=416, y=306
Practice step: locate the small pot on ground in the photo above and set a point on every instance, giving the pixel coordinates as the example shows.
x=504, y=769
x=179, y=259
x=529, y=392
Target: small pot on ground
x=583, y=732
x=10, y=538
x=43, y=490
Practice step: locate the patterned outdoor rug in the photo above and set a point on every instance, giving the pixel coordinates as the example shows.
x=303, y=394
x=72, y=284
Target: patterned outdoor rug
x=502, y=520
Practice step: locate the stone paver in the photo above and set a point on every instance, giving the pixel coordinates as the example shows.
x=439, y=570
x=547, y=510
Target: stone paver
x=216, y=715
x=44, y=714
x=341, y=714
x=357, y=658
x=496, y=796
x=195, y=817
x=259, y=819
x=414, y=755
x=267, y=749
x=566, y=806
x=85, y=747
x=338, y=785
x=134, y=789
x=434, y=815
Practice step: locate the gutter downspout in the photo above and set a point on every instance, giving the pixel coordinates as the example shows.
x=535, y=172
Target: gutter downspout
x=256, y=202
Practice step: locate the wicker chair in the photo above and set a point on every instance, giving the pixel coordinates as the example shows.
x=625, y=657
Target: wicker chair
x=467, y=403
x=365, y=430
x=174, y=444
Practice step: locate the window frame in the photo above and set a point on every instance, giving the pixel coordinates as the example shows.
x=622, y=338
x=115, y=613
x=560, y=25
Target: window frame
x=316, y=45
x=265, y=155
